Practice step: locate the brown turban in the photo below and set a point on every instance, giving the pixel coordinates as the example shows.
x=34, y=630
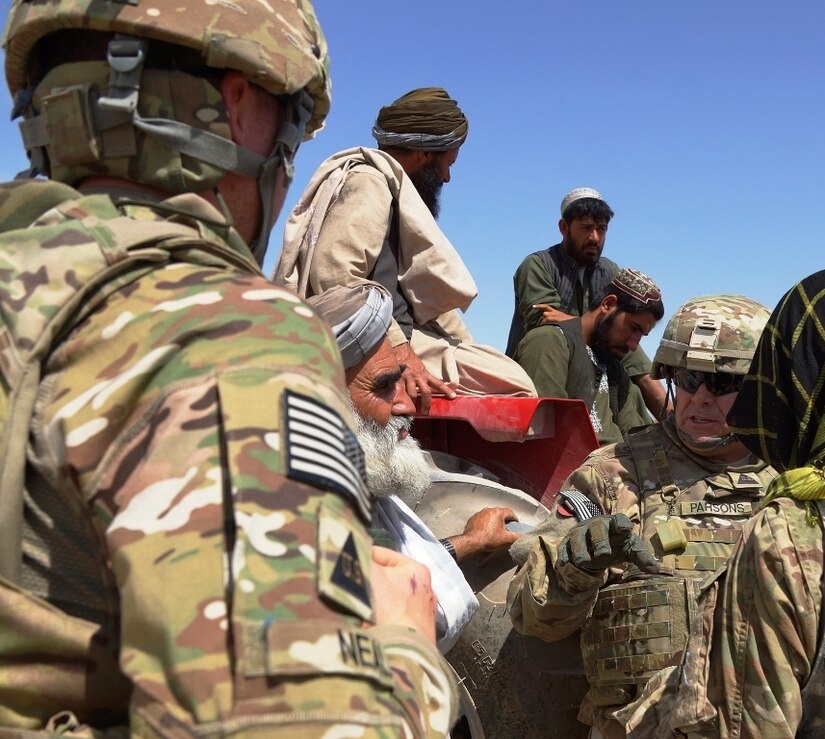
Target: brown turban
x=426, y=118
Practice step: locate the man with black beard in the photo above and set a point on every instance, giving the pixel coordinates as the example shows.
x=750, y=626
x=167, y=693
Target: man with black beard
x=369, y=214
x=398, y=472
x=581, y=357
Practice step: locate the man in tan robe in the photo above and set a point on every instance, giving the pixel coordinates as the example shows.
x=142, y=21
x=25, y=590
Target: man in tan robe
x=369, y=214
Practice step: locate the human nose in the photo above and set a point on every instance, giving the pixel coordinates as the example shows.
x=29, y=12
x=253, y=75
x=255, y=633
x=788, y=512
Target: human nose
x=703, y=395
x=402, y=403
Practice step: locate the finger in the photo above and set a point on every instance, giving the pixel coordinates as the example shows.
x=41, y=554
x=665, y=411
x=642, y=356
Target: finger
x=508, y=514
x=577, y=541
x=621, y=529
x=439, y=386
x=425, y=394
x=599, y=529
x=384, y=557
x=637, y=552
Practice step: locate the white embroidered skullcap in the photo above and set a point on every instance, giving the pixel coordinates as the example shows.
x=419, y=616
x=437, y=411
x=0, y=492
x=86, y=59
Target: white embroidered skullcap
x=578, y=194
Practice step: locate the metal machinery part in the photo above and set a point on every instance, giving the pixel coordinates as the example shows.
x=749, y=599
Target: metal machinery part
x=512, y=685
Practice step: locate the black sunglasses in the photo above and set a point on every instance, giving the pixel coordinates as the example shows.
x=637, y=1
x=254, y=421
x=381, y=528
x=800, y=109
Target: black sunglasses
x=717, y=383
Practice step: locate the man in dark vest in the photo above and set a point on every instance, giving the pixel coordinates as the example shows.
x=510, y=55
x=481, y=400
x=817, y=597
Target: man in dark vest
x=561, y=281
x=581, y=357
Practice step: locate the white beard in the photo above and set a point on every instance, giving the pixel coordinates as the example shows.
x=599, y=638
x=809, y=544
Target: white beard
x=393, y=466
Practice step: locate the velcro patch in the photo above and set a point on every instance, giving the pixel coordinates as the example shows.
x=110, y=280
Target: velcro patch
x=343, y=560
x=715, y=508
x=748, y=481
x=321, y=451
x=309, y=647
x=348, y=574
x=579, y=504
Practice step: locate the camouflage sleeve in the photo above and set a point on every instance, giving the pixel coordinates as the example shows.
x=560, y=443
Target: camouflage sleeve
x=552, y=603
x=533, y=284
x=214, y=445
x=765, y=631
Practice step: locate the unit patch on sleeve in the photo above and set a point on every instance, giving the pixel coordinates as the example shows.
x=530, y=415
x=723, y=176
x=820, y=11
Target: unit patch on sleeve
x=348, y=574
x=321, y=451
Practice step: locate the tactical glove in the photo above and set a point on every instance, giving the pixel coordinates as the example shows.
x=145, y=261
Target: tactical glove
x=595, y=544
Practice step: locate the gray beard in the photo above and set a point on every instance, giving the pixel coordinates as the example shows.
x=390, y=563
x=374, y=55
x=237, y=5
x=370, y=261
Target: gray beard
x=393, y=466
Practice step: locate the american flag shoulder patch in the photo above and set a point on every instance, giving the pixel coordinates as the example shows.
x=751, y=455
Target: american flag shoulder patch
x=322, y=451
x=579, y=504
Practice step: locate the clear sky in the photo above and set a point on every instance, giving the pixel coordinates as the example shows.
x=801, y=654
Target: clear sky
x=700, y=122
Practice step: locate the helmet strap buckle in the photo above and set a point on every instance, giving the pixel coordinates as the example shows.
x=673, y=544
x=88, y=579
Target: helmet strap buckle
x=125, y=56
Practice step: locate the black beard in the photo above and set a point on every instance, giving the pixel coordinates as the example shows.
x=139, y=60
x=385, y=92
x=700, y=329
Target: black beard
x=600, y=341
x=428, y=183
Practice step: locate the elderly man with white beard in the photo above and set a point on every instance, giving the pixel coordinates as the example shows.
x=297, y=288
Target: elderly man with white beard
x=396, y=467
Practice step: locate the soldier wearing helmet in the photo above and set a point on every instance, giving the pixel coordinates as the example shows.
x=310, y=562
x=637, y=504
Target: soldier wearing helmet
x=185, y=542
x=635, y=530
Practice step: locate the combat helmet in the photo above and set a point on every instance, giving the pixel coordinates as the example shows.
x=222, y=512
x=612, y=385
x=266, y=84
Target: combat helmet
x=712, y=333
x=166, y=128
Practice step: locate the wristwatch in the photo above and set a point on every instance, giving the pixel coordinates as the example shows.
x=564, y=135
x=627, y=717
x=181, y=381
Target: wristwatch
x=448, y=545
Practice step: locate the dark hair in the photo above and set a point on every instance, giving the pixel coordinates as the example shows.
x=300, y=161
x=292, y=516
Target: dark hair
x=626, y=303
x=598, y=209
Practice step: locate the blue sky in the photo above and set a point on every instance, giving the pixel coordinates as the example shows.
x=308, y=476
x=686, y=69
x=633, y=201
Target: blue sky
x=701, y=123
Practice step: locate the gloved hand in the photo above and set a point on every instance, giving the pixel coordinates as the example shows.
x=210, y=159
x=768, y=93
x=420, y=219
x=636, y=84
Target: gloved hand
x=595, y=544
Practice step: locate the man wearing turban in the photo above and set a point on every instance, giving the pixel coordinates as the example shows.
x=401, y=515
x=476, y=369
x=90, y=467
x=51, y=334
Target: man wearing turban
x=369, y=214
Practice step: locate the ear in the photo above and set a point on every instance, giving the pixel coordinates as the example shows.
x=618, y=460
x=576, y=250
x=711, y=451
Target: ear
x=563, y=228
x=608, y=304
x=238, y=97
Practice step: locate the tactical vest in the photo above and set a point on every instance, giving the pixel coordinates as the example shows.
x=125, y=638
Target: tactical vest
x=638, y=625
x=48, y=658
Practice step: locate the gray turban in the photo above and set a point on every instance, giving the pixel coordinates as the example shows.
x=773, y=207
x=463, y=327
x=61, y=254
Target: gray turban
x=426, y=118
x=359, y=316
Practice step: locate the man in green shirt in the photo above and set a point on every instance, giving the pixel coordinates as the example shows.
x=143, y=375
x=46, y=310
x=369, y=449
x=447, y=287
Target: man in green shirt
x=561, y=282
x=580, y=357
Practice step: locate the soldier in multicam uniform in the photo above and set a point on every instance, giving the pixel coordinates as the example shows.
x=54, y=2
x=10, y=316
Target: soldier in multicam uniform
x=680, y=490
x=755, y=667
x=178, y=466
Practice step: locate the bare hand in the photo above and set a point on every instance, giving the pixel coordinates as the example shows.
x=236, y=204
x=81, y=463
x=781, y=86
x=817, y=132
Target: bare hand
x=549, y=314
x=485, y=532
x=403, y=592
x=418, y=381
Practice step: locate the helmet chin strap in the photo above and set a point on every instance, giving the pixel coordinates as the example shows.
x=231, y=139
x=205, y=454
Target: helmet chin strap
x=125, y=58
x=297, y=114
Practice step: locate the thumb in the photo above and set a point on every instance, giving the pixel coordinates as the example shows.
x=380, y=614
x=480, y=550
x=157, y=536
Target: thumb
x=638, y=553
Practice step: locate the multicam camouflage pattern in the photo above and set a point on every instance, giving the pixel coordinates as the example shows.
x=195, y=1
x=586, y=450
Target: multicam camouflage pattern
x=552, y=603
x=278, y=45
x=713, y=333
x=72, y=129
x=75, y=152
x=758, y=638
x=233, y=597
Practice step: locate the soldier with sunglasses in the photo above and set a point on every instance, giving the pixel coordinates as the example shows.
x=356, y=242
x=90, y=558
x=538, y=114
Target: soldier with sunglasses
x=641, y=525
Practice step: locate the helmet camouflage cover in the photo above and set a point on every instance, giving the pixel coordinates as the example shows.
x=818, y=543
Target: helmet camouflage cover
x=712, y=333
x=278, y=45
x=165, y=128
